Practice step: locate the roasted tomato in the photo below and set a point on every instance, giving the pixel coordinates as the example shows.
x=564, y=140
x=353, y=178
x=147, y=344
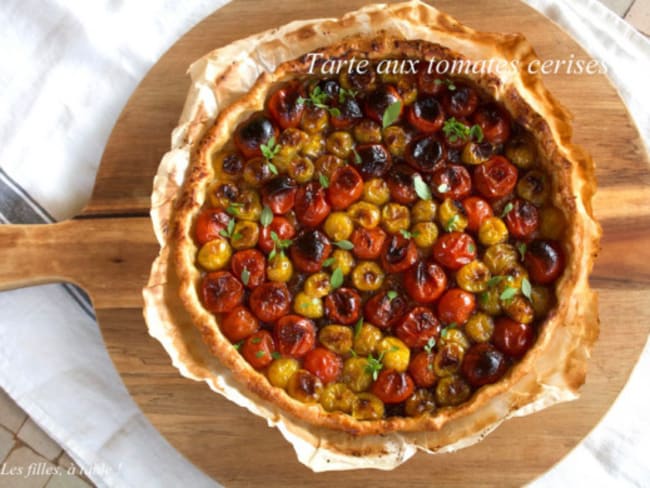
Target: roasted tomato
x=284, y=107
x=426, y=115
x=238, y=324
x=270, y=301
x=294, y=336
x=454, y=250
x=426, y=153
x=368, y=243
x=421, y=369
x=282, y=228
x=461, y=101
x=522, y=219
x=379, y=100
x=398, y=254
x=393, y=387
x=451, y=181
x=279, y=194
x=477, y=211
x=429, y=81
x=372, y=160
x=483, y=364
x=544, y=261
x=400, y=184
x=324, y=364
x=495, y=178
x=252, y=133
x=384, y=309
x=343, y=306
x=425, y=282
x=494, y=121
x=456, y=306
x=350, y=113
x=311, y=205
x=513, y=338
x=258, y=349
x=418, y=327
x=249, y=266
x=209, y=224
x=309, y=250
x=345, y=188
x=221, y=291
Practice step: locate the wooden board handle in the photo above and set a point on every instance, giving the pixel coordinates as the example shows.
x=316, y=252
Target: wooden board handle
x=108, y=257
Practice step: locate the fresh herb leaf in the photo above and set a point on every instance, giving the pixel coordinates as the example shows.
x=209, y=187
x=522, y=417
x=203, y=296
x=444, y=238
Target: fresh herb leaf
x=456, y=130
x=245, y=276
x=408, y=234
x=317, y=98
x=484, y=297
x=353, y=353
x=323, y=180
x=276, y=355
x=443, y=188
x=507, y=209
x=391, y=294
x=471, y=247
x=256, y=340
x=521, y=247
x=267, y=216
x=431, y=343
x=450, y=85
x=347, y=245
x=451, y=223
x=495, y=280
x=357, y=327
x=421, y=188
x=476, y=133
x=233, y=208
x=344, y=93
x=238, y=345
x=260, y=354
x=269, y=150
x=336, y=280
x=391, y=114
x=272, y=168
x=508, y=294
x=237, y=236
x=374, y=365
x=329, y=262
x=357, y=156
x=227, y=232
x=526, y=289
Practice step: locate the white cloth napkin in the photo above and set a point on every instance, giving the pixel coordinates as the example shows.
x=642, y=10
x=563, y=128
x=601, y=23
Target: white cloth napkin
x=69, y=68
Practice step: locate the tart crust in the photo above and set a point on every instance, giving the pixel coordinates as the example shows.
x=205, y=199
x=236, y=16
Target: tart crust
x=552, y=371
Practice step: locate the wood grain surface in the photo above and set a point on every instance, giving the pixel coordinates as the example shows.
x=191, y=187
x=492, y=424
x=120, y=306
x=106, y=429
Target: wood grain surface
x=109, y=249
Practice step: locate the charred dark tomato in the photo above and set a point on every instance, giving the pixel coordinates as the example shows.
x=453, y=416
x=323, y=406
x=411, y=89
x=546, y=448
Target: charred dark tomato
x=329, y=87
x=426, y=115
x=392, y=387
x=284, y=107
x=209, y=224
x=426, y=153
x=250, y=266
x=495, y=178
x=461, y=101
x=345, y=188
x=398, y=254
x=280, y=194
x=368, y=243
x=232, y=164
x=544, y=261
x=418, y=327
x=239, y=324
x=372, y=160
x=425, y=282
x=270, y=301
x=421, y=369
x=454, y=250
x=252, y=133
x=384, y=310
x=451, y=181
x=324, y=364
x=282, y=228
x=494, y=121
x=258, y=349
x=522, y=219
x=477, y=211
x=512, y=338
x=483, y=364
x=349, y=113
x=294, y=336
x=343, y=306
x=456, y=306
x=359, y=80
x=400, y=184
x=221, y=291
x=379, y=100
x=429, y=81
x=309, y=250
x=311, y=205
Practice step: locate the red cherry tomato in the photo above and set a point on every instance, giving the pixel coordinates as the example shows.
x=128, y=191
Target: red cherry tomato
x=426, y=115
x=513, y=338
x=284, y=107
x=311, y=206
x=343, y=306
x=400, y=184
x=454, y=250
x=454, y=140
x=374, y=160
x=279, y=194
x=460, y=102
x=483, y=364
x=495, y=178
x=383, y=311
x=221, y=291
x=378, y=101
x=282, y=227
x=253, y=262
x=421, y=369
x=456, y=306
x=418, y=327
x=398, y=254
x=523, y=219
x=270, y=301
x=425, y=282
x=252, y=133
x=429, y=81
x=368, y=243
x=258, y=349
x=209, y=224
x=451, y=181
x=393, y=387
x=477, y=211
x=309, y=250
x=346, y=187
x=324, y=364
x=544, y=261
x=350, y=113
x=494, y=122
x=239, y=324
x=426, y=153
x=294, y=335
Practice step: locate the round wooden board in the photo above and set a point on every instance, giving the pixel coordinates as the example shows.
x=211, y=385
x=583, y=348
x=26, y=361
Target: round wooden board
x=238, y=449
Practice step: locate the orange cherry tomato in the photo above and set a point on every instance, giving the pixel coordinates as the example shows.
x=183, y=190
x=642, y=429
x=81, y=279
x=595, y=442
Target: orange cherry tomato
x=294, y=335
x=324, y=364
x=393, y=387
x=477, y=211
x=494, y=122
x=258, y=349
x=346, y=187
x=425, y=153
x=283, y=229
x=495, y=178
x=343, y=306
x=421, y=369
x=426, y=115
x=398, y=254
x=418, y=327
x=523, y=219
x=311, y=206
x=378, y=101
x=368, y=243
x=209, y=224
x=309, y=250
x=284, y=107
x=460, y=102
x=279, y=194
x=270, y=301
x=384, y=311
x=483, y=364
x=221, y=291
x=372, y=160
x=544, y=261
x=251, y=262
x=425, y=282
x=400, y=184
x=513, y=338
x=456, y=306
x=451, y=181
x=239, y=324
x=454, y=250
x=252, y=133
